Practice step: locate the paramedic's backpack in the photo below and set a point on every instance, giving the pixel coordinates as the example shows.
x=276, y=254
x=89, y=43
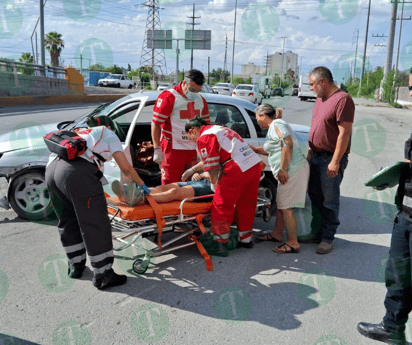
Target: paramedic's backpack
x=214, y=248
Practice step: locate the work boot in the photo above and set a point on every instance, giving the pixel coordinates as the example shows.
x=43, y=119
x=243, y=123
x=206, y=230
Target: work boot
x=380, y=333
x=115, y=280
x=75, y=271
x=324, y=247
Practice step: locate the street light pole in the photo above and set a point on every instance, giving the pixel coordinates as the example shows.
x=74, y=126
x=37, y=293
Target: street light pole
x=42, y=50
x=234, y=37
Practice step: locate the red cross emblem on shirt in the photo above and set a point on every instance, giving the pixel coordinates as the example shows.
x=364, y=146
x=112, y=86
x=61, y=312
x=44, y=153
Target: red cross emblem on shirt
x=190, y=113
x=232, y=134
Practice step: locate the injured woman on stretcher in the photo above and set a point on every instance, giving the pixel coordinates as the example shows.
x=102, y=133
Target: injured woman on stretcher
x=199, y=186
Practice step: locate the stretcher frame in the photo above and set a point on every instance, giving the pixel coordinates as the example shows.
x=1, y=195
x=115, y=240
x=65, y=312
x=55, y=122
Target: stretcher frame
x=149, y=227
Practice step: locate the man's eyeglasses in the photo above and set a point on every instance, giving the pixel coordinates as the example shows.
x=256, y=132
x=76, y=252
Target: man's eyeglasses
x=191, y=89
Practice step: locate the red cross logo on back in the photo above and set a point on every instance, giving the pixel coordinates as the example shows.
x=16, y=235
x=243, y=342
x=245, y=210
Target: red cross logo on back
x=190, y=113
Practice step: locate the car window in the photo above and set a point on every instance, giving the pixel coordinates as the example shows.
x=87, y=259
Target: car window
x=261, y=133
x=229, y=116
x=244, y=87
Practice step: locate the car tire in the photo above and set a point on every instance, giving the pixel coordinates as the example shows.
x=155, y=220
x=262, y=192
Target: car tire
x=31, y=184
x=268, y=190
x=130, y=86
x=118, y=85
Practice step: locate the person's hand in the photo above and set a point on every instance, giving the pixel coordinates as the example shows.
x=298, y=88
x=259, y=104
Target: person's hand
x=158, y=156
x=253, y=148
x=144, y=188
x=189, y=172
x=196, y=177
x=309, y=156
x=332, y=169
x=282, y=176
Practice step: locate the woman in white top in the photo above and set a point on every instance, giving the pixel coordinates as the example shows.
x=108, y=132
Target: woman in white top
x=291, y=169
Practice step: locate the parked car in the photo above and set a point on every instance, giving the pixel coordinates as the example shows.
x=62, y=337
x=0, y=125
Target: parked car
x=304, y=92
x=24, y=155
x=278, y=91
x=248, y=92
x=116, y=80
x=164, y=86
x=206, y=88
x=223, y=88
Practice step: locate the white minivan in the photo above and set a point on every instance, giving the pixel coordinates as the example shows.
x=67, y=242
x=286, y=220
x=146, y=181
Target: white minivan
x=304, y=92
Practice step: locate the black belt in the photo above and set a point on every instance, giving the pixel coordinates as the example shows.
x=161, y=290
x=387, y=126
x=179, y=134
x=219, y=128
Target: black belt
x=323, y=153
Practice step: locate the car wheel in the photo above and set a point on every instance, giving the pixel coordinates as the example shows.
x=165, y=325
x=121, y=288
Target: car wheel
x=268, y=190
x=29, y=196
x=130, y=86
x=118, y=85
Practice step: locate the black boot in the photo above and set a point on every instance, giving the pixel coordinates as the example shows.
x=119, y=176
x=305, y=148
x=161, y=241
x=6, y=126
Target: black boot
x=75, y=271
x=380, y=333
x=107, y=281
x=245, y=245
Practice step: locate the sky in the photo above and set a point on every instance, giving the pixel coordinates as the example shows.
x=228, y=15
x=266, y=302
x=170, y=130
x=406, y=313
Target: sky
x=112, y=31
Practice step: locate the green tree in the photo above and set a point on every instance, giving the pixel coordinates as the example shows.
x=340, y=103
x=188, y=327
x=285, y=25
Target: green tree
x=26, y=58
x=114, y=69
x=220, y=75
x=96, y=67
x=238, y=80
x=54, y=44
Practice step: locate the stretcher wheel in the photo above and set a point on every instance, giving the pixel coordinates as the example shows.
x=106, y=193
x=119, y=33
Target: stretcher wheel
x=140, y=266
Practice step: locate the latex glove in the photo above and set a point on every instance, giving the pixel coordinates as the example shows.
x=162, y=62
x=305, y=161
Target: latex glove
x=212, y=187
x=145, y=189
x=158, y=156
x=189, y=172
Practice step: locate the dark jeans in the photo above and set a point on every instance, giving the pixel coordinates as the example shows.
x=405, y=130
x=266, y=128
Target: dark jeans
x=324, y=193
x=398, y=276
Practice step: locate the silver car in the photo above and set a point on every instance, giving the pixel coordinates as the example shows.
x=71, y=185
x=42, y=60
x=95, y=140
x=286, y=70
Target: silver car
x=223, y=88
x=24, y=155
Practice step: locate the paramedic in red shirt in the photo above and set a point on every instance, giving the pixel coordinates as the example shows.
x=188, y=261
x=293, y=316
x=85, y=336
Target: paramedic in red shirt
x=174, y=107
x=234, y=171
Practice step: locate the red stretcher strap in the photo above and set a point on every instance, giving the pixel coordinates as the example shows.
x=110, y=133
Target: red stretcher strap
x=202, y=250
x=159, y=218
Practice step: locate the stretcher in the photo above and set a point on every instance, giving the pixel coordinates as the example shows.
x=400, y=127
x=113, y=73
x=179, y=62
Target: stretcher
x=191, y=216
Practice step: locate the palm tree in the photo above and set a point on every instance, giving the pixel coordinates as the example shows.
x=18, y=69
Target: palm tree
x=54, y=44
x=26, y=58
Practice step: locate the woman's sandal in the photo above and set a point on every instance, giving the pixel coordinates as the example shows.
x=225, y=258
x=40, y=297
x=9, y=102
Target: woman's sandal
x=286, y=248
x=269, y=237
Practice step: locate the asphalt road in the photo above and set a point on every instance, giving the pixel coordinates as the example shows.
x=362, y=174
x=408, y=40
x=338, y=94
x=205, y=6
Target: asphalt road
x=252, y=296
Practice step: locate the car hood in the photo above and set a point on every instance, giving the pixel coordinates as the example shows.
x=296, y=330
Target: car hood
x=26, y=137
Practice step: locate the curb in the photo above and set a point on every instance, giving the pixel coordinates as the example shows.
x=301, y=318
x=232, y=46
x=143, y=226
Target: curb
x=48, y=100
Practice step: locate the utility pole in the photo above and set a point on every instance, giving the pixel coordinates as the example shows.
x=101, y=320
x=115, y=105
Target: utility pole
x=81, y=64
x=224, y=62
x=208, y=70
x=42, y=50
x=391, y=38
x=301, y=66
x=266, y=63
x=234, y=37
x=193, y=28
x=356, y=54
x=283, y=54
x=37, y=53
x=366, y=44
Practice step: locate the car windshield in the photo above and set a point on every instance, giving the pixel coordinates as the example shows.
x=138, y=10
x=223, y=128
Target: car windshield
x=113, y=77
x=102, y=109
x=244, y=87
x=220, y=84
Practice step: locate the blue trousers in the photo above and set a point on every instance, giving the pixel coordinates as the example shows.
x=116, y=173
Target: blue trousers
x=324, y=193
x=398, y=300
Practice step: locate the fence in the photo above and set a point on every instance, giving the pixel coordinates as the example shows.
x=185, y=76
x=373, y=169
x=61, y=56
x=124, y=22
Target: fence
x=15, y=67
